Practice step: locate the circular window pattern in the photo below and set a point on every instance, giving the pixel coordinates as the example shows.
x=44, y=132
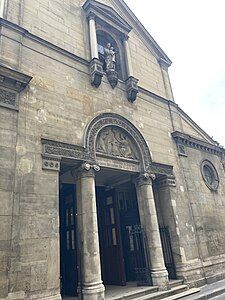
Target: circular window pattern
x=210, y=175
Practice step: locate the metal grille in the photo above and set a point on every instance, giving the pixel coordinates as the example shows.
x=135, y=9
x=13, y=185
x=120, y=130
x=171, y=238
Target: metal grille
x=167, y=252
x=140, y=257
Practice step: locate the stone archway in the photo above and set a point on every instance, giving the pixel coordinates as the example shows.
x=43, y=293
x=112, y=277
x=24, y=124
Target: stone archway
x=128, y=133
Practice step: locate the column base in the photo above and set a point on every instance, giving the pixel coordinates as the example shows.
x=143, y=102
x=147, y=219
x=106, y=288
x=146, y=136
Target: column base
x=160, y=279
x=93, y=292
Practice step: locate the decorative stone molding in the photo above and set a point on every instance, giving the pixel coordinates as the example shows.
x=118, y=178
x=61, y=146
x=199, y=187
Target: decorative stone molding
x=145, y=178
x=112, y=77
x=166, y=181
x=209, y=175
x=12, y=83
x=107, y=16
x=181, y=150
x=96, y=72
x=164, y=64
x=58, y=149
x=132, y=88
x=109, y=119
x=87, y=169
x=161, y=169
x=9, y=98
x=189, y=141
x=50, y=163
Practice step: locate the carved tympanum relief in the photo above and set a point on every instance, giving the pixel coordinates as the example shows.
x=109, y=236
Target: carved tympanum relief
x=115, y=141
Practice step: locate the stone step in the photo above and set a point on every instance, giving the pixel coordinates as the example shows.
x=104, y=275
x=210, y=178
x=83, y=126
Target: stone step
x=164, y=294
x=175, y=282
x=186, y=293
x=208, y=294
x=134, y=295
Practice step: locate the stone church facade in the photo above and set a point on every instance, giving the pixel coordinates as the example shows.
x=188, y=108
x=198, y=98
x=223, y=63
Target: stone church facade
x=104, y=180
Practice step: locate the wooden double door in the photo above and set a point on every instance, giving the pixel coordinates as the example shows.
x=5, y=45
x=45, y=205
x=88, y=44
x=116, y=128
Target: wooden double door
x=68, y=244
x=117, y=213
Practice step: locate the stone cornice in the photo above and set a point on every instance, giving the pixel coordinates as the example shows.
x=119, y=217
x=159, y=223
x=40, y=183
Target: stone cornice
x=107, y=15
x=192, y=142
x=12, y=82
x=13, y=79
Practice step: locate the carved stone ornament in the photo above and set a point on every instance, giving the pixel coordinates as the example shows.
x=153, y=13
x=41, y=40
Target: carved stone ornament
x=109, y=119
x=96, y=72
x=132, y=88
x=181, y=150
x=87, y=169
x=145, y=178
x=112, y=77
x=166, y=181
x=51, y=163
x=12, y=83
x=116, y=142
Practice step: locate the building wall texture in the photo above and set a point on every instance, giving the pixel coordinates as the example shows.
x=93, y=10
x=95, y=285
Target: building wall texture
x=49, y=41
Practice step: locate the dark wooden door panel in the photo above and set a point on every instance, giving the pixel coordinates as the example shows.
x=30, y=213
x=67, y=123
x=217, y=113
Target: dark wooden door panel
x=112, y=252
x=68, y=257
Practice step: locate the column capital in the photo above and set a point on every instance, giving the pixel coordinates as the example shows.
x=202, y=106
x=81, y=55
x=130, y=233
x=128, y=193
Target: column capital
x=87, y=169
x=166, y=181
x=91, y=16
x=145, y=179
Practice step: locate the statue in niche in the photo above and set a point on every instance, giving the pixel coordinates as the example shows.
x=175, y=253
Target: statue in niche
x=110, y=62
x=110, y=58
x=113, y=141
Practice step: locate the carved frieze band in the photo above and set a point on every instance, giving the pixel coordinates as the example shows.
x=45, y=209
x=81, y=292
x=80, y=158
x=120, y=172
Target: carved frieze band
x=161, y=169
x=187, y=140
x=59, y=149
x=166, y=181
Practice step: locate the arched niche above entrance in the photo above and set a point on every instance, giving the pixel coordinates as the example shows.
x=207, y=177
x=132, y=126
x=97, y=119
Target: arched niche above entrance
x=113, y=135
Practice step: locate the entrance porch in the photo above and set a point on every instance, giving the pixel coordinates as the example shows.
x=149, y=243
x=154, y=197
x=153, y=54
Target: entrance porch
x=125, y=256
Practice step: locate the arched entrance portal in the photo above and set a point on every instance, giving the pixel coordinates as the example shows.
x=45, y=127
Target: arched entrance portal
x=114, y=197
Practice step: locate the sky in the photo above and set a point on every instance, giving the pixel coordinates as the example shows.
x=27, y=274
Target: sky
x=192, y=34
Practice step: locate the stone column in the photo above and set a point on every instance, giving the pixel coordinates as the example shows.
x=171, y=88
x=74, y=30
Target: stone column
x=168, y=195
x=2, y=8
x=93, y=37
x=149, y=222
x=128, y=58
x=91, y=284
x=96, y=70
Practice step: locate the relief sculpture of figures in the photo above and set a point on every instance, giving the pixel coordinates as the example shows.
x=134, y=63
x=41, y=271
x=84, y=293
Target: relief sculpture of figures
x=113, y=141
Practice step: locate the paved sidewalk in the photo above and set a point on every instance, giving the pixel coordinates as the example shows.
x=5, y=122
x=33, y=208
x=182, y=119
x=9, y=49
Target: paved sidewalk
x=210, y=291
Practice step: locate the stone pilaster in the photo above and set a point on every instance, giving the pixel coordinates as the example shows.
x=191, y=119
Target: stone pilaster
x=131, y=82
x=149, y=222
x=87, y=231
